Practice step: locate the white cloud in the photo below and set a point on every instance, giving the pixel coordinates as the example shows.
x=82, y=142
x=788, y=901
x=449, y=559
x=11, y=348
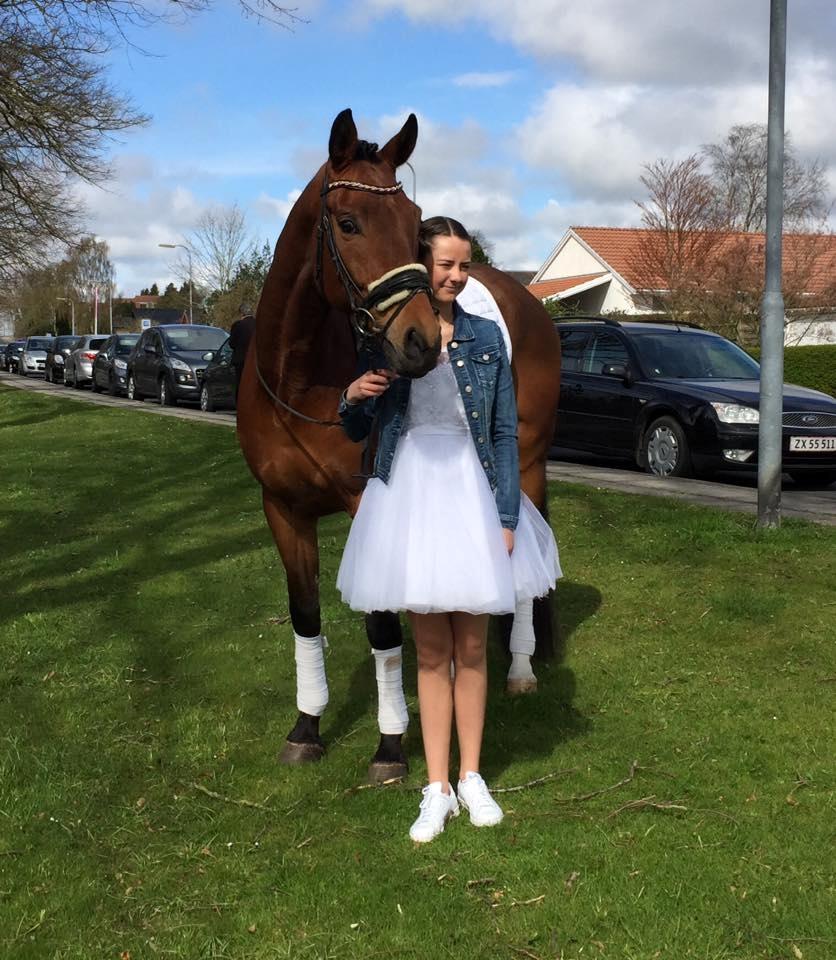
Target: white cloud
x=479, y=80
x=276, y=209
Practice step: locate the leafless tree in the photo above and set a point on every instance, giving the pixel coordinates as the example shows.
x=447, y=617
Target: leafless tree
x=738, y=177
x=58, y=112
x=218, y=244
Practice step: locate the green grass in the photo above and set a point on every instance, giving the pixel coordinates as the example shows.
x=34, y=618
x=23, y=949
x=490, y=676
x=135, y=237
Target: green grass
x=146, y=660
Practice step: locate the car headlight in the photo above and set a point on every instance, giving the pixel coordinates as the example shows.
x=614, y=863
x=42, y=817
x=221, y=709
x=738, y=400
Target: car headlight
x=120, y=364
x=57, y=358
x=179, y=365
x=736, y=413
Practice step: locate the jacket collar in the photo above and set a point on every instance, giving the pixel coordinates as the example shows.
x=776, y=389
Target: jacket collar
x=462, y=329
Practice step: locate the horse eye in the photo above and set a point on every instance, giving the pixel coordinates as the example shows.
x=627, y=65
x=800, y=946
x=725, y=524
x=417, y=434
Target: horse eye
x=348, y=226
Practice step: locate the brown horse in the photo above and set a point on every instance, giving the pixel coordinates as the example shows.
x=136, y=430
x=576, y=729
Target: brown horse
x=348, y=251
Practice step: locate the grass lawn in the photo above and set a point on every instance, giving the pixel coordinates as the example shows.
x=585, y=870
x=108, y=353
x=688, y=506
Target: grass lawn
x=147, y=684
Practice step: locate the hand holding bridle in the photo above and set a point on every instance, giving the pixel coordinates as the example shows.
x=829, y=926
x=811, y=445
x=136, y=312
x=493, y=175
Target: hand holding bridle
x=373, y=383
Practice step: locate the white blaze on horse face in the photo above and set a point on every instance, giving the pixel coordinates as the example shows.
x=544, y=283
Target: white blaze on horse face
x=450, y=267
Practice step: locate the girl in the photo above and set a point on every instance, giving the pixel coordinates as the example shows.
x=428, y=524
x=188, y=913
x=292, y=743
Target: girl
x=439, y=531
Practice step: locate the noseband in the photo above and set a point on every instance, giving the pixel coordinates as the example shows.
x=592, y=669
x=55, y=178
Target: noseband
x=394, y=289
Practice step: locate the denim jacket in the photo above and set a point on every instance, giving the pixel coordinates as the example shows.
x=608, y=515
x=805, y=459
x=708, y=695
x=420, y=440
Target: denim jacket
x=483, y=373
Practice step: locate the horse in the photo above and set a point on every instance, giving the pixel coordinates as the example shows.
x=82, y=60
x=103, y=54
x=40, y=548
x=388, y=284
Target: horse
x=344, y=277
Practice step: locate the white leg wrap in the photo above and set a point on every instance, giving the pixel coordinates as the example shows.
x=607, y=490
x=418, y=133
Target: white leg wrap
x=391, y=706
x=311, y=684
x=522, y=641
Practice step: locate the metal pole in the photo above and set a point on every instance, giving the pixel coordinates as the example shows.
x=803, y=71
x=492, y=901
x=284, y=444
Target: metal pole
x=770, y=433
x=191, y=318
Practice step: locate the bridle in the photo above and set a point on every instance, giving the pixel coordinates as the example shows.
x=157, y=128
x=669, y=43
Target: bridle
x=392, y=291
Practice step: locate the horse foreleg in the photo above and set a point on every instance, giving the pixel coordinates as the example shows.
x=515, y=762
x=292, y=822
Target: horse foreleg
x=384, y=632
x=296, y=540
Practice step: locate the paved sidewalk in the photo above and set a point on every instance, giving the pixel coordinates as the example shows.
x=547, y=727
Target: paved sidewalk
x=817, y=506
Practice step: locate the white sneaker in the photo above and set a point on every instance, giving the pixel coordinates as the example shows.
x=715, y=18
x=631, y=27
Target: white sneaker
x=436, y=810
x=475, y=797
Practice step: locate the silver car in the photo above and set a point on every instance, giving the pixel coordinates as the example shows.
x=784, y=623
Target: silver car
x=33, y=356
x=78, y=367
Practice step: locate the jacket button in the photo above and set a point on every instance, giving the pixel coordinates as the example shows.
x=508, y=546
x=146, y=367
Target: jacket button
x=486, y=356
x=475, y=414
x=468, y=389
x=485, y=464
x=452, y=344
x=481, y=439
x=460, y=363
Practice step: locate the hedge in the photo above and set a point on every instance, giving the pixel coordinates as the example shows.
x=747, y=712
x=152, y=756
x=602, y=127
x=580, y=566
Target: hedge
x=813, y=367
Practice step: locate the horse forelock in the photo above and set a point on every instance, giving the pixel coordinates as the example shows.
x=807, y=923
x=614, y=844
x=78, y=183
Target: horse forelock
x=366, y=151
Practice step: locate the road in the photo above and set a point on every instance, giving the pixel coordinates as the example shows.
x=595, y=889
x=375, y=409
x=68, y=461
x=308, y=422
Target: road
x=740, y=494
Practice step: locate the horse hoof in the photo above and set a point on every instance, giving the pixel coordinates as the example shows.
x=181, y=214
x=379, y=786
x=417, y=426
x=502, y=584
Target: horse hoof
x=297, y=754
x=383, y=772
x=516, y=687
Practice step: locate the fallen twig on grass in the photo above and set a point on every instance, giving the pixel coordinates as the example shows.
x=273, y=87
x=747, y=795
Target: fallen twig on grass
x=372, y=786
x=634, y=766
x=648, y=803
x=481, y=882
x=525, y=903
x=803, y=939
x=238, y=803
x=524, y=953
x=535, y=783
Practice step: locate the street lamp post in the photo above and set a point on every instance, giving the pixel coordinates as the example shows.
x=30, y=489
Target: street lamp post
x=173, y=246
x=72, y=312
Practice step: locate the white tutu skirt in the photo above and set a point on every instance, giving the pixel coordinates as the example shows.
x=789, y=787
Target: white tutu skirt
x=430, y=539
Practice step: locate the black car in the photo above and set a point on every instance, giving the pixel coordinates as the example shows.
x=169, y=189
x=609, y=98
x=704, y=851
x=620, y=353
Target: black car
x=218, y=388
x=168, y=361
x=56, y=355
x=110, y=368
x=11, y=355
x=678, y=401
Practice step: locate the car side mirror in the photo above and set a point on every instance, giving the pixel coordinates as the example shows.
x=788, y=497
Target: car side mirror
x=621, y=371
x=209, y=355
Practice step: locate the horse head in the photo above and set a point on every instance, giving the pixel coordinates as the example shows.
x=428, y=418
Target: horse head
x=367, y=247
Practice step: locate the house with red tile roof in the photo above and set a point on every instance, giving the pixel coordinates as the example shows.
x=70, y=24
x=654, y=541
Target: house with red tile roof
x=607, y=269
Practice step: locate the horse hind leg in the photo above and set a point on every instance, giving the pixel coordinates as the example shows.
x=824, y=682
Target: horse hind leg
x=384, y=633
x=297, y=544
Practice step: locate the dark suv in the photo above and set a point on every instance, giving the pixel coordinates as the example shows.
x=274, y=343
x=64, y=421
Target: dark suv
x=167, y=361
x=678, y=401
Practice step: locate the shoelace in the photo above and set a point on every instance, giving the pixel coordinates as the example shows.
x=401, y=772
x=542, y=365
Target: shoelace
x=483, y=799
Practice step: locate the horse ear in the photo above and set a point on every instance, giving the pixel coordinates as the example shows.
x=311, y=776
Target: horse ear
x=399, y=149
x=343, y=140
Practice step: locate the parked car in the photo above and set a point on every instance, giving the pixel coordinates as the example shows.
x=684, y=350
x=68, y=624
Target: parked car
x=78, y=365
x=218, y=388
x=11, y=355
x=679, y=401
x=110, y=368
x=32, y=357
x=56, y=357
x=168, y=361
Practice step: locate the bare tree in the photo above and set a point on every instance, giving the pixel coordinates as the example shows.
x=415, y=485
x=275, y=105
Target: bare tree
x=738, y=178
x=57, y=111
x=673, y=260
x=219, y=244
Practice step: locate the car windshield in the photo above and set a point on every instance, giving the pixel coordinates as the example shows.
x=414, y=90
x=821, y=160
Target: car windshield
x=39, y=343
x=195, y=338
x=124, y=345
x=62, y=342
x=693, y=356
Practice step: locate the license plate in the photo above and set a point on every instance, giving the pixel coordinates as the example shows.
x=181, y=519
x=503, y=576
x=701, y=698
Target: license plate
x=813, y=444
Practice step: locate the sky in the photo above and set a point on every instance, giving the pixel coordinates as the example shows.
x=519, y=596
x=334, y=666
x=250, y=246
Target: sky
x=534, y=115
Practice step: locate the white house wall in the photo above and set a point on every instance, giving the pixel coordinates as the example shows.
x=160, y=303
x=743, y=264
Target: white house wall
x=572, y=261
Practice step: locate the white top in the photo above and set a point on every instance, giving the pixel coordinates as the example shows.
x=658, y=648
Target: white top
x=435, y=404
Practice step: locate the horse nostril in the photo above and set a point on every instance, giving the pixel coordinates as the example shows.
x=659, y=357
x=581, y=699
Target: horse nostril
x=416, y=342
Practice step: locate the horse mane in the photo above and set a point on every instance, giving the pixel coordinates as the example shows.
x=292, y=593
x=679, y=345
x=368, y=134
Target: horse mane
x=365, y=151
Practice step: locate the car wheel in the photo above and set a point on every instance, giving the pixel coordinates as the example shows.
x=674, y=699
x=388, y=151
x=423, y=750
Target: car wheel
x=665, y=450
x=78, y=384
x=111, y=386
x=206, y=400
x=133, y=393
x=166, y=394
x=93, y=385
x=21, y=370
x=813, y=479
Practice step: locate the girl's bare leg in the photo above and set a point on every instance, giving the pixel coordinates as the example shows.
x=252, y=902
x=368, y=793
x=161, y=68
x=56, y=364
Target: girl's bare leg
x=470, y=691
x=433, y=635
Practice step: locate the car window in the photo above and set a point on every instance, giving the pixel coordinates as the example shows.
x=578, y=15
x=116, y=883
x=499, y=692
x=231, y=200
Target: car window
x=694, y=356
x=194, y=338
x=124, y=345
x=605, y=348
x=39, y=343
x=225, y=353
x=571, y=348
x=96, y=343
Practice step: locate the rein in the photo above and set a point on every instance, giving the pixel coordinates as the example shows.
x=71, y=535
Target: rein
x=392, y=291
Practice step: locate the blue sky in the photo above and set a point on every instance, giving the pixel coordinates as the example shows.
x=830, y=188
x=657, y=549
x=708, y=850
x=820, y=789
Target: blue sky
x=533, y=115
